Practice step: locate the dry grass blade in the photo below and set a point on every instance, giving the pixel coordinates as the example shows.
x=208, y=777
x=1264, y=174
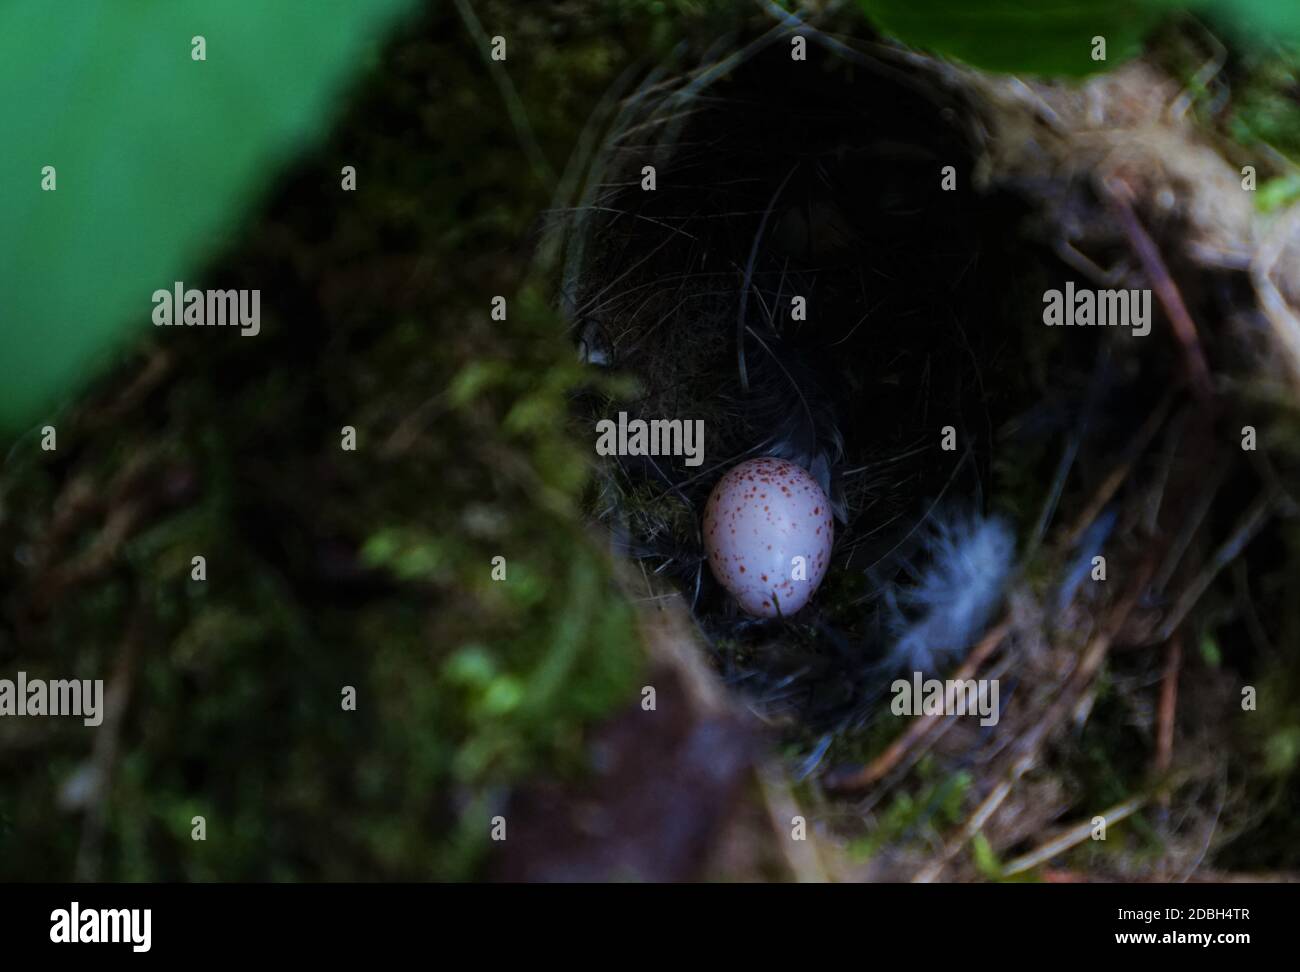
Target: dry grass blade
x=1074, y=835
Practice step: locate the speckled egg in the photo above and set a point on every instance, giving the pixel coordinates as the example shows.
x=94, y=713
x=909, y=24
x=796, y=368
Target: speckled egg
x=761, y=516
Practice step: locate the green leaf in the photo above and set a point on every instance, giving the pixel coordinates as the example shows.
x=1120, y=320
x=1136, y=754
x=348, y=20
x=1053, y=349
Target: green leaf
x=156, y=157
x=1052, y=37
x=1278, y=193
x=1268, y=20
x=985, y=858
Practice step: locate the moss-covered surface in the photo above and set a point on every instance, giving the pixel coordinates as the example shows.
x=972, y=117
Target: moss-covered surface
x=328, y=568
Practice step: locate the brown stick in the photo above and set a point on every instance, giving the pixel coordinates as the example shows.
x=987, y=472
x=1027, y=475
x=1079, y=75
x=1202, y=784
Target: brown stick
x=1198, y=371
x=1116, y=477
x=875, y=770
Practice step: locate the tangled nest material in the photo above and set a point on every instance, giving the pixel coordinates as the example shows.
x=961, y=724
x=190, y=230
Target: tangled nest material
x=777, y=178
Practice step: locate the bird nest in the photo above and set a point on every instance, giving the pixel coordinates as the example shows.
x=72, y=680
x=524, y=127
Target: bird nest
x=846, y=261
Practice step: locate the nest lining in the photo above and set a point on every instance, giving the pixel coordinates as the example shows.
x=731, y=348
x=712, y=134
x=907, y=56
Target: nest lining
x=824, y=183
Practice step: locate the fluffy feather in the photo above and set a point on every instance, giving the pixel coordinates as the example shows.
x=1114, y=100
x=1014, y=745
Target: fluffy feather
x=935, y=621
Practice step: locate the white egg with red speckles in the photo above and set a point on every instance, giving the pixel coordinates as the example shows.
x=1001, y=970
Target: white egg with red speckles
x=761, y=516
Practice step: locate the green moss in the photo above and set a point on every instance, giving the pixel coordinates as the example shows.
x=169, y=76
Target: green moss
x=328, y=568
x=937, y=803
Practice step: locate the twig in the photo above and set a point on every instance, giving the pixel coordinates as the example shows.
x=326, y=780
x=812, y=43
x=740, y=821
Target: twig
x=1198, y=371
x=1249, y=525
x=1183, y=539
x=1032, y=742
x=1168, y=708
x=919, y=729
x=1058, y=875
x=1111, y=484
x=1075, y=835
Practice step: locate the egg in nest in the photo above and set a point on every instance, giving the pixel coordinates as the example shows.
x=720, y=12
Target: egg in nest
x=767, y=533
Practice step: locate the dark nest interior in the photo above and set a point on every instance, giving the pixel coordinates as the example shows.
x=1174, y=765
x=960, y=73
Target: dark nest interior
x=776, y=179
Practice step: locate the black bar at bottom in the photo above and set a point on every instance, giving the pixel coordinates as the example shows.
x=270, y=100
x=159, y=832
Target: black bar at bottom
x=332, y=922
